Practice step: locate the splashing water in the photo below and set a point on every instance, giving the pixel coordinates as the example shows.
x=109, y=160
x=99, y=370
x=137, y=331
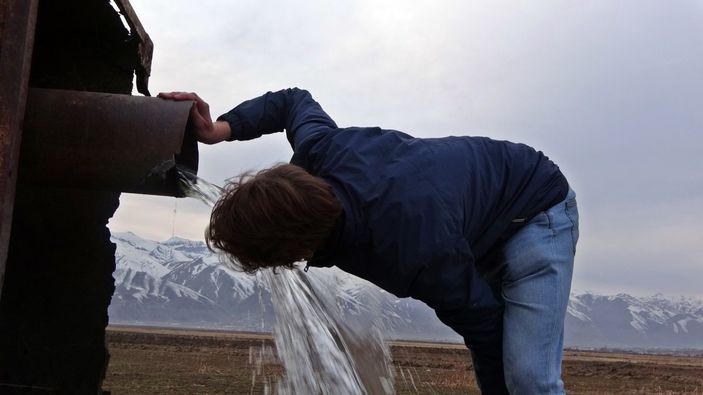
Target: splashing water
x=322, y=353
x=195, y=187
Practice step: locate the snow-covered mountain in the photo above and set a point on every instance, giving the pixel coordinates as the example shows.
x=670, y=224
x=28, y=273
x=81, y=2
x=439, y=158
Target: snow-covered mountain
x=624, y=321
x=181, y=283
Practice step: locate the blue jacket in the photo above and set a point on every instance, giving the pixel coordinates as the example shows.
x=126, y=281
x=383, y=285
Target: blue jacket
x=421, y=215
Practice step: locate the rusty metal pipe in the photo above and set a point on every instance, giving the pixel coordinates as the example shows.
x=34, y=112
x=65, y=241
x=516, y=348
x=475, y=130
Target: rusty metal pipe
x=105, y=141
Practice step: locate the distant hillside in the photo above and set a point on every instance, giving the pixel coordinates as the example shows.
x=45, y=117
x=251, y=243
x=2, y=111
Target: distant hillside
x=180, y=282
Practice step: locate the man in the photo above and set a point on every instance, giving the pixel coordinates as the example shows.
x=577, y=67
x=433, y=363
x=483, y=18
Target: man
x=483, y=231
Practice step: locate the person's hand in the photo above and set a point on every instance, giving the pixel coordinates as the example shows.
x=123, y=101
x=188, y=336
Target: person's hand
x=206, y=131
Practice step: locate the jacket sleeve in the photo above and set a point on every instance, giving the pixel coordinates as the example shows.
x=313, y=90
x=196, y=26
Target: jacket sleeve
x=465, y=299
x=291, y=109
x=482, y=330
x=467, y=304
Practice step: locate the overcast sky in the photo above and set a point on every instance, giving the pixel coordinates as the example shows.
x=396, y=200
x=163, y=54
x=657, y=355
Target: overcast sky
x=612, y=91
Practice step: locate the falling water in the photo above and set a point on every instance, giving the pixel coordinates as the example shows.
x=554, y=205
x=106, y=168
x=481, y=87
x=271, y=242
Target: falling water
x=193, y=186
x=322, y=353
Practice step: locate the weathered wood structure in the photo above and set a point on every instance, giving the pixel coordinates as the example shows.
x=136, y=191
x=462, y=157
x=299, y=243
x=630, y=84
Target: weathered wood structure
x=56, y=257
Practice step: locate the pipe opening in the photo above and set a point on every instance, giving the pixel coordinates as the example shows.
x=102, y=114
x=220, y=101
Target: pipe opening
x=103, y=141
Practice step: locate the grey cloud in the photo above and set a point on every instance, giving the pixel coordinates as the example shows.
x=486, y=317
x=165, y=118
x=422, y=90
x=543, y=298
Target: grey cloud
x=611, y=91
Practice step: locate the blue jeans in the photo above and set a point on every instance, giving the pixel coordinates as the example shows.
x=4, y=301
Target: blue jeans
x=533, y=276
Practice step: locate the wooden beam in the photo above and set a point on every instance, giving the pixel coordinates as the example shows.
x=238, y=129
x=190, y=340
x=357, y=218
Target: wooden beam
x=145, y=46
x=17, y=26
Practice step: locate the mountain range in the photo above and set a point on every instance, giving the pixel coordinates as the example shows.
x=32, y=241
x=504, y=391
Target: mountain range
x=180, y=283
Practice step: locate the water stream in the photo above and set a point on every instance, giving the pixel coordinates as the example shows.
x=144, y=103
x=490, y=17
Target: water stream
x=322, y=353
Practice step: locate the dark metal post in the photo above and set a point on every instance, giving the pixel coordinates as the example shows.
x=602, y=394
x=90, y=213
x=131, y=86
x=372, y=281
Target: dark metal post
x=17, y=22
x=60, y=260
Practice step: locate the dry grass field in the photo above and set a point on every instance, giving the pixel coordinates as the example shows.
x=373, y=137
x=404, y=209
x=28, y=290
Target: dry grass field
x=164, y=361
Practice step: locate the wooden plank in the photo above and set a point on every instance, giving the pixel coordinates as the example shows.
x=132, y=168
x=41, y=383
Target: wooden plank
x=146, y=46
x=17, y=26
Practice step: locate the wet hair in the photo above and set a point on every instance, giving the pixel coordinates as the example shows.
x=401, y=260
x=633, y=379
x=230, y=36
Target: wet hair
x=272, y=218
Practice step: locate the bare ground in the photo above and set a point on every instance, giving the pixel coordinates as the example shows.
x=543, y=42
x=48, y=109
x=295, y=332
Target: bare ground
x=160, y=361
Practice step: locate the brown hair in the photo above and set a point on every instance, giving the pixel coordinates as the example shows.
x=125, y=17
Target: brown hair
x=273, y=218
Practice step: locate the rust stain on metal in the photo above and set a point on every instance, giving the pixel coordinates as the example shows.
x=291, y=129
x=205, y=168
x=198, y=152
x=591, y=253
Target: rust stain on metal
x=103, y=141
x=17, y=26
